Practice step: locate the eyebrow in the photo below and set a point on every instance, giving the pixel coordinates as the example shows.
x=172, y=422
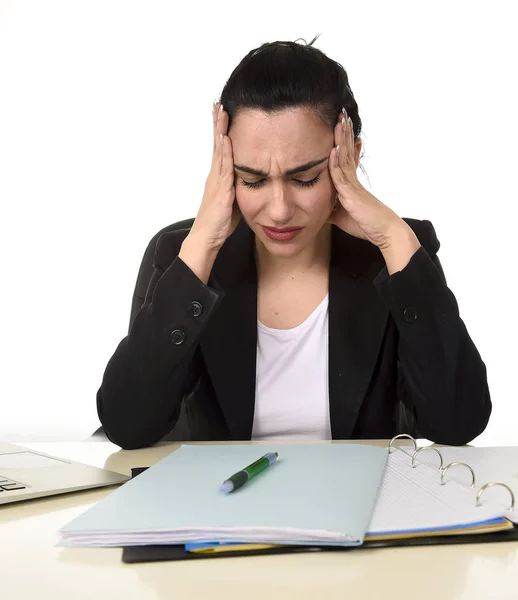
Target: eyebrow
x=298, y=169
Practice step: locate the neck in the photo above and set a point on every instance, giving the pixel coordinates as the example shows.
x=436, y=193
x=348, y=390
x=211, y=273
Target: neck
x=313, y=257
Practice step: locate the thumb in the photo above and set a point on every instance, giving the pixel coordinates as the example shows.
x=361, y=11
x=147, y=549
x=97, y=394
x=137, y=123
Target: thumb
x=343, y=220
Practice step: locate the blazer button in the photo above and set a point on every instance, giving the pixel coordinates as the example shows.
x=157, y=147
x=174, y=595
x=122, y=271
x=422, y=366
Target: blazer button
x=410, y=314
x=197, y=309
x=178, y=337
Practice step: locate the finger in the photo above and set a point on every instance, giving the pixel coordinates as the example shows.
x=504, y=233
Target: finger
x=220, y=134
x=215, y=108
x=337, y=171
x=350, y=137
x=222, y=122
x=334, y=161
x=345, y=136
x=339, y=141
x=217, y=156
x=227, y=160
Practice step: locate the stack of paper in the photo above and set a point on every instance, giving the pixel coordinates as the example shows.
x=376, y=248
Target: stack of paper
x=314, y=494
x=412, y=502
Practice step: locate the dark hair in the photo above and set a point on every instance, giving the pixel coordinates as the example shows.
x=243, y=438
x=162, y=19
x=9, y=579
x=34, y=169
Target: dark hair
x=280, y=75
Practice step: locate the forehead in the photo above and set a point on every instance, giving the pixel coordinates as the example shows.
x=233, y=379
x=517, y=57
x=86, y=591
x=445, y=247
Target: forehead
x=289, y=131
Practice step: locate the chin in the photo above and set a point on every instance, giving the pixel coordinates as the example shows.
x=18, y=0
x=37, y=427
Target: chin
x=286, y=250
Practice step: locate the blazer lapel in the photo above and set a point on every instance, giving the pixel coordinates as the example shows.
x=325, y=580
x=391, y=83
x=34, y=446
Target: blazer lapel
x=229, y=343
x=357, y=322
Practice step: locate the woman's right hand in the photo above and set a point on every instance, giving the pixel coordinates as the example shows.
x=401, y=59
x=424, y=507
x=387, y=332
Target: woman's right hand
x=218, y=215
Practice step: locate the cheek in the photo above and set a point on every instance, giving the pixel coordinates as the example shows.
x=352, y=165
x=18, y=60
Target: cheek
x=318, y=199
x=317, y=206
x=250, y=202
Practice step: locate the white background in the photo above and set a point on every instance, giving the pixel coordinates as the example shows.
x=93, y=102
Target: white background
x=106, y=137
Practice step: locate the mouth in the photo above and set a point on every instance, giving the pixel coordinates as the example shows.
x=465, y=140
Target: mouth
x=282, y=229
x=281, y=234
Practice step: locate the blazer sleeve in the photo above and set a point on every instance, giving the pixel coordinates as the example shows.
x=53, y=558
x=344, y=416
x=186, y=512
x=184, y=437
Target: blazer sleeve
x=442, y=378
x=154, y=366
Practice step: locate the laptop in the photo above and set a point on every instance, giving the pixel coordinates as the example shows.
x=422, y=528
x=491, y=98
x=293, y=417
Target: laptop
x=26, y=474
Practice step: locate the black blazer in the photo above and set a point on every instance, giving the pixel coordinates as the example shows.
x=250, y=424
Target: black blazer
x=186, y=370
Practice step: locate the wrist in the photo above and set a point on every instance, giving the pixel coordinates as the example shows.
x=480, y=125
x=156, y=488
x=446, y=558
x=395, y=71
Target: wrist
x=198, y=256
x=402, y=244
x=197, y=242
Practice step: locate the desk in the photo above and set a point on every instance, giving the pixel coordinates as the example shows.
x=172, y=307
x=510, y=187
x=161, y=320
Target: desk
x=33, y=567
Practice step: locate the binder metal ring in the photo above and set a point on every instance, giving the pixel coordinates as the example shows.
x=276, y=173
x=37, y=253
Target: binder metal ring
x=401, y=435
x=452, y=464
x=491, y=484
x=414, y=456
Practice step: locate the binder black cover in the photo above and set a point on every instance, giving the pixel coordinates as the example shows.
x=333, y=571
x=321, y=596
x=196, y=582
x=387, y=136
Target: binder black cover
x=153, y=553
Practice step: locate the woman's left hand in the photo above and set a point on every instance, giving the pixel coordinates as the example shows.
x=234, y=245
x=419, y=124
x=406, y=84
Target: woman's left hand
x=357, y=211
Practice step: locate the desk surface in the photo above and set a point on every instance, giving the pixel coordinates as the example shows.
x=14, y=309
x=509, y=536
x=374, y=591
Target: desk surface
x=32, y=566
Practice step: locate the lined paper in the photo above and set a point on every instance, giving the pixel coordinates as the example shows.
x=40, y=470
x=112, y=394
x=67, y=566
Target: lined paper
x=413, y=499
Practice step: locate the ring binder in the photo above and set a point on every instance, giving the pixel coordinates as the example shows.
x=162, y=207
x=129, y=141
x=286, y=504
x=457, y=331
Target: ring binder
x=491, y=484
x=454, y=464
x=444, y=470
x=401, y=435
x=414, y=456
x=412, y=508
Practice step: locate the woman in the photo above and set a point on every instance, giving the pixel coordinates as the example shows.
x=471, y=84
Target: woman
x=296, y=304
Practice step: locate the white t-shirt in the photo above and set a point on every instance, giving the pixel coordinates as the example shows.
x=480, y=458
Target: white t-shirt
x=292, y=388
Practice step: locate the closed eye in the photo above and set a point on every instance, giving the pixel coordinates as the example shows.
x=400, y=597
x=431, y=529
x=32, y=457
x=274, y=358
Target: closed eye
x=257, y=184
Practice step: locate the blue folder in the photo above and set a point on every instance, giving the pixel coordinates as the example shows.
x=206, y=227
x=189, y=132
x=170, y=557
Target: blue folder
x=316, y=488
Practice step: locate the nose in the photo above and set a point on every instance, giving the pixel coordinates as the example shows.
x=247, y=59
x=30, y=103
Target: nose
x=280, y=209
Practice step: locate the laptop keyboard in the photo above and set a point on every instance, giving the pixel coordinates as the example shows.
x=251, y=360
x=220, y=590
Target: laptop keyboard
x=8, y=484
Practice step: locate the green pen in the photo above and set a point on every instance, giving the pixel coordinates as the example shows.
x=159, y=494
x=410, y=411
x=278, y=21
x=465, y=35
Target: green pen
x=241, y=477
